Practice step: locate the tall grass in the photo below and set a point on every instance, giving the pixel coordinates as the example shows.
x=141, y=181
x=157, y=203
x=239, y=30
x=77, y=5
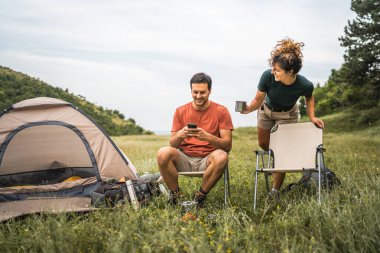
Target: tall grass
x=346, y=221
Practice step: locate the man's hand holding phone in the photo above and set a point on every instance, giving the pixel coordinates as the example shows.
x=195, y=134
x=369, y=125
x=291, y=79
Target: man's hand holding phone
x=192, y=126
x=192, y=130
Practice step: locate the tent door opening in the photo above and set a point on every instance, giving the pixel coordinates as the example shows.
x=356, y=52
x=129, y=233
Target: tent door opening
x=47, y=152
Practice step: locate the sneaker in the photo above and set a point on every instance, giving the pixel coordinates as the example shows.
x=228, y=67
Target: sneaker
x=174, y=198
x=200, y=199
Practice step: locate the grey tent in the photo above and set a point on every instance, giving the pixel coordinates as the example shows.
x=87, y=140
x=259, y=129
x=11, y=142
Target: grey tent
x=52, y=157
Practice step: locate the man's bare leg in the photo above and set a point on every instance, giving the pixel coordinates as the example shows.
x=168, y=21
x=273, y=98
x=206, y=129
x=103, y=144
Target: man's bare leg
x=166, y=158
x=216, y=164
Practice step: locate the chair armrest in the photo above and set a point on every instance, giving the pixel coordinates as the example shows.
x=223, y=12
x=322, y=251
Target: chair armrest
x=321, y=149
x=261, y=152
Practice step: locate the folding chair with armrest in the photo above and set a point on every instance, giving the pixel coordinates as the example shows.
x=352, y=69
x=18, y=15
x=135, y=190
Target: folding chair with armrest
x=295, y=147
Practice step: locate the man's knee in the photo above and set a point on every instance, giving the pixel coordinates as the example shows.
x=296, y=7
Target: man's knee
x=165, y=154
x=220, y=158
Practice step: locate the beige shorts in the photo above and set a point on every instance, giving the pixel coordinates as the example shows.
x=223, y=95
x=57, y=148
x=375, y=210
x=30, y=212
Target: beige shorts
x=267, y=119
x=189, y=163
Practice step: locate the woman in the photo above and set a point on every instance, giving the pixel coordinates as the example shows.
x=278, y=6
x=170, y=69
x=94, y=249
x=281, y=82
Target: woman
x=278, y=91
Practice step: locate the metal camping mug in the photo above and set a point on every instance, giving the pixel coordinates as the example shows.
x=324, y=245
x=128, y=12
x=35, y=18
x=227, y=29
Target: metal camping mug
x=188, y=205
x=240, y=106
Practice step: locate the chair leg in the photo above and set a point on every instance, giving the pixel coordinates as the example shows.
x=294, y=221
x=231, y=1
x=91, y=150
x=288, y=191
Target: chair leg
x=319, y=156
x=255, y=193
x=228, y=183
x=266, y=174
x=266, y=181
x=260, y=155
x=256, y=181
x=226, y=186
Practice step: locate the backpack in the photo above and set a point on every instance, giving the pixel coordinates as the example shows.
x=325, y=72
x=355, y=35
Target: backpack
x=328, y=179
x=137, y=192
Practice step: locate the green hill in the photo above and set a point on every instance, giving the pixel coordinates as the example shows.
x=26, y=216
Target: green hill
x=16, y=86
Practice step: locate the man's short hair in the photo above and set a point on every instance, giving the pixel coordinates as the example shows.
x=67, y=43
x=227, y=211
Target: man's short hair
x=201, y=78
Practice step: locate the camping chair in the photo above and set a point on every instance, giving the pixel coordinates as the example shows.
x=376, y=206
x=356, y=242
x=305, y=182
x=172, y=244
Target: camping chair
x=226, y=181
x=295, y=147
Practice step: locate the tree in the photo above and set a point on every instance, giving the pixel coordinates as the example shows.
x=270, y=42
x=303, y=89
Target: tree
x=362, y=56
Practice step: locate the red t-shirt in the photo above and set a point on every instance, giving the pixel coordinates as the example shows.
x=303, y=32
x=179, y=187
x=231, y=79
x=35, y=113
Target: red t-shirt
x=212, y=120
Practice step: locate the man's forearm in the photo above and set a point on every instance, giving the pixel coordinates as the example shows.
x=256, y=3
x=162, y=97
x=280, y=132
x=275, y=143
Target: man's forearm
x=220, y=143
x=175, y=141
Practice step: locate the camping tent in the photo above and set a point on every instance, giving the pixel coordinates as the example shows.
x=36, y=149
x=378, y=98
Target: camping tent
x=52, y=157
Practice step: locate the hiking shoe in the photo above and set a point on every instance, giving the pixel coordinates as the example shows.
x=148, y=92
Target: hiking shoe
x=200, y=199
x=174, y=198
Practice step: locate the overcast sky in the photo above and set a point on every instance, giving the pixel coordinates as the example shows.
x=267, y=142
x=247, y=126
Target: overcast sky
x=138, y=56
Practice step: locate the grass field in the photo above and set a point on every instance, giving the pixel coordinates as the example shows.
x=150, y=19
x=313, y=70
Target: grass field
x=347, y=221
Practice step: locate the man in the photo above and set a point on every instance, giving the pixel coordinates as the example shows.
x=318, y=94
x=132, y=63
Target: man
x=202, y=147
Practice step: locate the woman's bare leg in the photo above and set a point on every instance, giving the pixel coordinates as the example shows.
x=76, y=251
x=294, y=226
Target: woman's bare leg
x=264, y=138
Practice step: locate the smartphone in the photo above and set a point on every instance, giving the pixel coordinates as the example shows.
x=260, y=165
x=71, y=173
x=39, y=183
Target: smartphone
x=191, y=125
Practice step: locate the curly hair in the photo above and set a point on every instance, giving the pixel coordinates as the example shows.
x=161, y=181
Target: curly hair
x=287, y=53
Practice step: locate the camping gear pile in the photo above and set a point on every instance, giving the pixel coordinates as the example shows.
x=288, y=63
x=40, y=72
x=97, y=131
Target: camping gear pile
x=53, y=157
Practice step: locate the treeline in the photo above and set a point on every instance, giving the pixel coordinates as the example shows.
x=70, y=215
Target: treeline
x=16, y=86
x=356, y=85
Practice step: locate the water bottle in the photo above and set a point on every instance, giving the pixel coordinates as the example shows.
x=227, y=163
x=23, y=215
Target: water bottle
x=132, y=194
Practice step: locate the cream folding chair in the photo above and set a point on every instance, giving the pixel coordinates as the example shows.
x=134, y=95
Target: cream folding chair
x=295, y=147
x=226, y=181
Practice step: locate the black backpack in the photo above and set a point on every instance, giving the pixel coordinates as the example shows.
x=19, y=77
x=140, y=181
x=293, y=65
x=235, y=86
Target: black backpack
x=111, y=193
x=328, y=178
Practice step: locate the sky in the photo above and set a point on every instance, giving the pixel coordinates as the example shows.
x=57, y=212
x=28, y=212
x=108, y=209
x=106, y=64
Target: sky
x=137, y=57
